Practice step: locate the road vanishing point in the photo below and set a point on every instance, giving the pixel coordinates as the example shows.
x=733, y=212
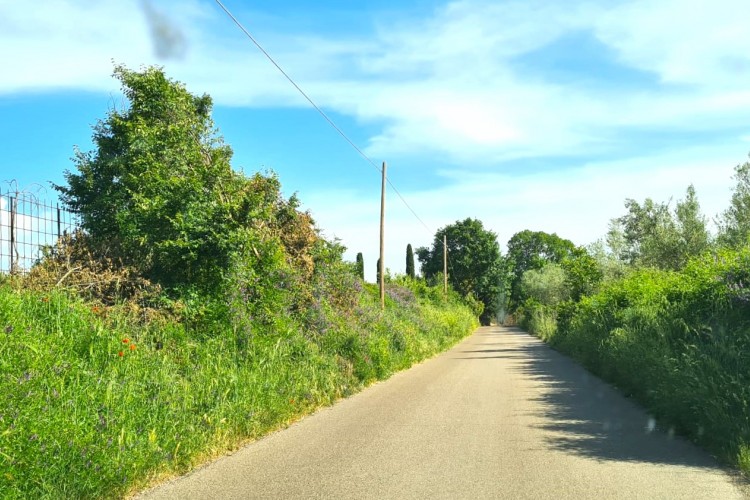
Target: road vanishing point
x=500, y=415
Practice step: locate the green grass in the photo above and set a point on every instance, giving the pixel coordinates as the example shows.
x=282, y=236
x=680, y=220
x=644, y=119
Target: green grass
x=98, y=404
x=678, y=342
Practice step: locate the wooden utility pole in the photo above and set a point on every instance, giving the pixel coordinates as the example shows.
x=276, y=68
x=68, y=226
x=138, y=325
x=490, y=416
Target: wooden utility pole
x=445, y=265
x=382, y=242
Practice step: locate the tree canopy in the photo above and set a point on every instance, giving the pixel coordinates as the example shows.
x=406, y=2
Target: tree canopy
x=654, y=236
x=475, y=264
x=734, y=223
x=160, y=188
x=529, y=250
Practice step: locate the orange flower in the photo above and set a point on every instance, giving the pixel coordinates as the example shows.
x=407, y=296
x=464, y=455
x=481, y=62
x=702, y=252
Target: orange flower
x=45, y=299
x=126, y=341
x=121, y=354
x=132, y=347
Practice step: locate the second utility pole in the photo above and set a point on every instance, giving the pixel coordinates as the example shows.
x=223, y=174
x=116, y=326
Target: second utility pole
x=381, y=267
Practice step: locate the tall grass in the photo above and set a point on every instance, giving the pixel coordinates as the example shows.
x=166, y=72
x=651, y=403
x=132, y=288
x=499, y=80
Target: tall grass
x=97, y=403
x=678, y=342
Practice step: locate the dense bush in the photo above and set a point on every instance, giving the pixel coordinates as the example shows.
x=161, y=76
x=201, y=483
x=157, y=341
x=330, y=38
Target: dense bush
x=546, y=285
x=679, y=342
x=160, y=193
x=97, y=403
x=198, y=308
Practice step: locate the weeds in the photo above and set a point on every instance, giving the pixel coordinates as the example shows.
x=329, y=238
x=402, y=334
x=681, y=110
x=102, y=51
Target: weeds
x=97, y=403
x=679, y=342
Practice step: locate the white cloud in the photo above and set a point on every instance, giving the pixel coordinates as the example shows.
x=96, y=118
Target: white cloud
x=683, y=41
x=443, y=84
x=577, y=204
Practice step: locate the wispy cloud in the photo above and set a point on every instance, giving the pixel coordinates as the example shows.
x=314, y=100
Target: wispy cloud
x=445, y=84
x=449, y=83
x=576, y=203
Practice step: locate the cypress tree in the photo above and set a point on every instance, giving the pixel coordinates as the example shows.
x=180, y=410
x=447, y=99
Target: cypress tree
x=377, y=273
x=409, y=261
x=360, y=265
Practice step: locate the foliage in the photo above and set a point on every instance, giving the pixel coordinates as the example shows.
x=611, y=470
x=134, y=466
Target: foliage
x=606, y=255
x=409, y=261
x=583, y=273
x=476, y=265
x=92, y=270
x=734, y=223
x=655, y=237
x=529, y=250
x=160, y=191
x=547, y=286
x=658, y=311
x=198, y=309
x=97, y=402
x=360, y=266
x=679, y=342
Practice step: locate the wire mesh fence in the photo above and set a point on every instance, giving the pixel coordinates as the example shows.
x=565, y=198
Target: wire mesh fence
x=27, y=226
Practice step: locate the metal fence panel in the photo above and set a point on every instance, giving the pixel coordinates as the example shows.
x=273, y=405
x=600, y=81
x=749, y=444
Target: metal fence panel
x=27, y=226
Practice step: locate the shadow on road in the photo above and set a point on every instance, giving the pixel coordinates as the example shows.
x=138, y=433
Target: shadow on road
x=583, y=415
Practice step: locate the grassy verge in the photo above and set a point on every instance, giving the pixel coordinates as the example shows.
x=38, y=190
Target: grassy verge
x=98, y=403
x=677, y=342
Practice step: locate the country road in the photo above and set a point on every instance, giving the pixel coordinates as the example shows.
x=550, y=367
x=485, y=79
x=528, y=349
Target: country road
x=500, y=415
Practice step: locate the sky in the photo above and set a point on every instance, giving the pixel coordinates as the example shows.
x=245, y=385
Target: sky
x=532, y=114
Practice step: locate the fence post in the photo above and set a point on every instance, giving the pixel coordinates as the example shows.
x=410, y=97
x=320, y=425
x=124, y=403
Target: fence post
x=58, y=221
x=12, y=232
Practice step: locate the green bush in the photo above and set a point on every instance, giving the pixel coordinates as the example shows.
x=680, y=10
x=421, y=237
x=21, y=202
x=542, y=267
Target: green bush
x=197, y=309
x=679, y=342
x=97, y=403
x=159, y=191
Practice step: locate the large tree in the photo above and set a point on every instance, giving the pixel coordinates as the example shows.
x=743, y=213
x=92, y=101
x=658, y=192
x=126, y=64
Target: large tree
x=655, y=236
x=532, y=250
x=159, y=188
x=475, y=264
x=734, y=223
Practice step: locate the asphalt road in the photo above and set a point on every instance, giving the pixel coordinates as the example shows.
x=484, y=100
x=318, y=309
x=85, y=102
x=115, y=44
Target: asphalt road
x=499, y=416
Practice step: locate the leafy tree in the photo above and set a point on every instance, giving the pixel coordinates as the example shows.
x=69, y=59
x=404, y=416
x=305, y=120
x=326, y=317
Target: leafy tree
x=409, y=261
x=475, y=264
x=655, y=237
x=691, y=225
x=582, y=273
x=607, y=256
x=734, y=223
x=360, y=266
x=159, y=189
x=650, y=233
x=547, y=286
x=533, y=250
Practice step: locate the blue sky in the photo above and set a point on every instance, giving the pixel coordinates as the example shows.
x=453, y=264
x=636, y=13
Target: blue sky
x=535, y=114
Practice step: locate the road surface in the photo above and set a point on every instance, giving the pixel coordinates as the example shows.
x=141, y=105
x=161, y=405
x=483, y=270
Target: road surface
x=500, y=415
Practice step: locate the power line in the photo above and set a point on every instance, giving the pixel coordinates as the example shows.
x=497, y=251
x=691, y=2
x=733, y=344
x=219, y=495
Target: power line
x=312, y=103
x=320, y=111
